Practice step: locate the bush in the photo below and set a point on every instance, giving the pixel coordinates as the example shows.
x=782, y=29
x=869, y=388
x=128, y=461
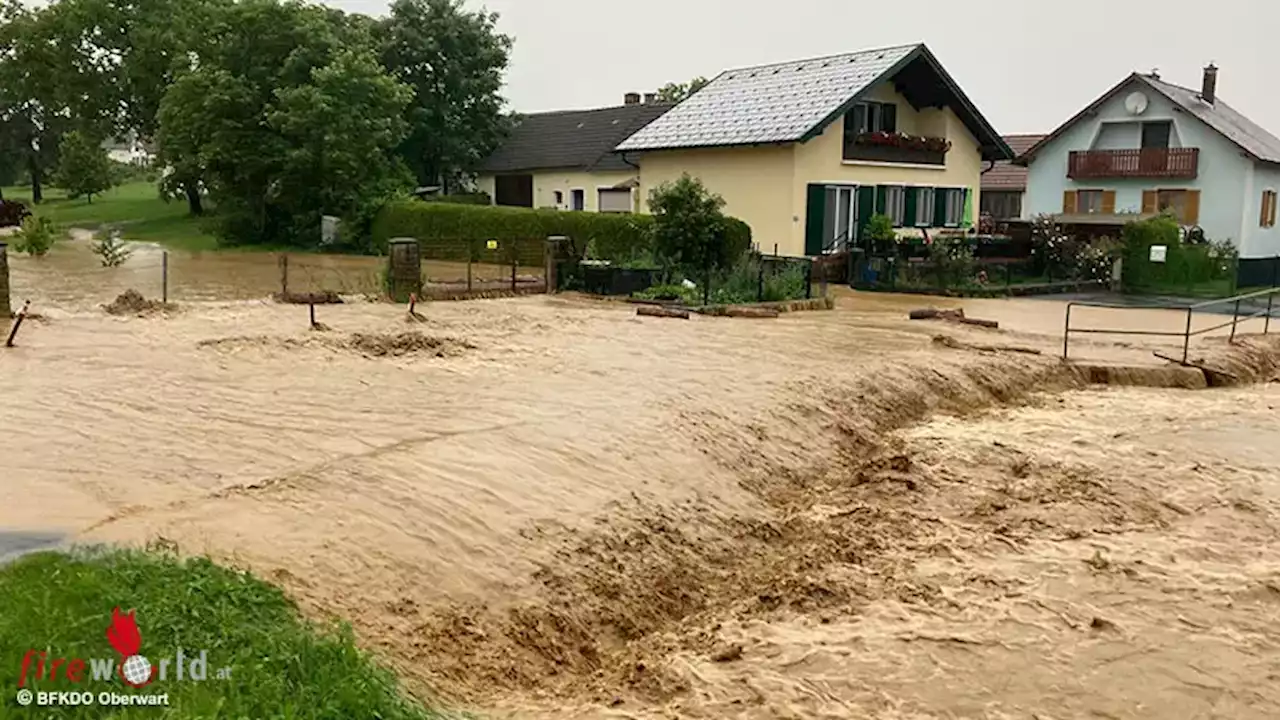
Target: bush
x=12, y=213
x=36, y=236
x=84, y=169
x=1186, y=265
x=691, y=233
x=111, y=249
x=880, y=232
x=475, y=198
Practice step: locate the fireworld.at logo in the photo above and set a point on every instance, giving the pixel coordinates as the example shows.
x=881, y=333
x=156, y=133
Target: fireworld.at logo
x=132, y=667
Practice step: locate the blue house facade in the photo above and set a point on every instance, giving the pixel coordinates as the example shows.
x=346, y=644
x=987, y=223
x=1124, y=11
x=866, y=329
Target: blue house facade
x=1148, y=146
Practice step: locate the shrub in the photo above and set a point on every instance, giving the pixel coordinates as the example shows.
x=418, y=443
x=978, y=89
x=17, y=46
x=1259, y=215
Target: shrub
x=1186, y=265
x=474, y=198
x=111, y=249
x=84, y=169
x=12, y=213
x=36, y=236
x=439, y=225
x=691, y=231
x=880, y=232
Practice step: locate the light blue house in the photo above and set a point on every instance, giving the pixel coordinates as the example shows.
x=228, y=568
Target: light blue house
x=1147, y=146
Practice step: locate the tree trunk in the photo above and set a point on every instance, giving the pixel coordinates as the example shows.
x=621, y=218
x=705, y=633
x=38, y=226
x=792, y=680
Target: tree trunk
x=37, y=192
x=194, y=205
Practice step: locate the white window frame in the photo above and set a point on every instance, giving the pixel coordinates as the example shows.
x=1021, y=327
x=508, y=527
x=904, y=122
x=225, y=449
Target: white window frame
x=926, y=205
x=955, y=201
x=895, y=204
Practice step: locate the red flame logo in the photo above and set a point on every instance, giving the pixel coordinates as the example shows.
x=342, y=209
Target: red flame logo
x=124, y=637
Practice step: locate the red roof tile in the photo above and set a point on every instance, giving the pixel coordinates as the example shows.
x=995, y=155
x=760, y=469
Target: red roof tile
x=1005, y=175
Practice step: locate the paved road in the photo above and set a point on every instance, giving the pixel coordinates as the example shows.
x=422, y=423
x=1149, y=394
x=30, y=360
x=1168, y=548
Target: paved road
x=1163, y=301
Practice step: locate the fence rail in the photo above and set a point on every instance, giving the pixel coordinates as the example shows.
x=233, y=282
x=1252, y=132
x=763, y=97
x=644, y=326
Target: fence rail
x=1134, y=163
x=1187, y=333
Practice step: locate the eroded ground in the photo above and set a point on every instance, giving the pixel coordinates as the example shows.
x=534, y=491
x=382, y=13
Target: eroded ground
x=551, y=508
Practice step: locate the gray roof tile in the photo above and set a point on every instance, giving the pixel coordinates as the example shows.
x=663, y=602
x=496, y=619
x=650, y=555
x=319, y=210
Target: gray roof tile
x=1220, y=116
x=767, y=103
x=582, y=139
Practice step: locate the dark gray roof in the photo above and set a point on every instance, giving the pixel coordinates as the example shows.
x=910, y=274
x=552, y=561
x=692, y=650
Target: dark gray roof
x=794, y=101
x=571, y=139
x=1250, y=136
x=1245, y=133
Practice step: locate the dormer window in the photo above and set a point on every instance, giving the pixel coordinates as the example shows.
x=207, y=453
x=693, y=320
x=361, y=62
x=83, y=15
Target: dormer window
x=868, y=117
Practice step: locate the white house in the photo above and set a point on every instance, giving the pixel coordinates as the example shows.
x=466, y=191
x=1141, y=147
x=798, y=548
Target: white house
x=1147, y=146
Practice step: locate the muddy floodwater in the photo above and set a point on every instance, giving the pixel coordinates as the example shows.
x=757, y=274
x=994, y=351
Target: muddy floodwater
x=547, y=507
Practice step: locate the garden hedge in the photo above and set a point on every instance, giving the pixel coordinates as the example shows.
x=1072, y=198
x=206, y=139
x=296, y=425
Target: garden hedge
x=446, y=230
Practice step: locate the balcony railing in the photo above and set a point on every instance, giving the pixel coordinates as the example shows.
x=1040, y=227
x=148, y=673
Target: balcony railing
x=896, y=148
x=1144, y=163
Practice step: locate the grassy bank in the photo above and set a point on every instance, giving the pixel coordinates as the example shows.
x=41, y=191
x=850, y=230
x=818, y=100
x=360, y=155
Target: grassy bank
x=279, y=665
x=136, y=207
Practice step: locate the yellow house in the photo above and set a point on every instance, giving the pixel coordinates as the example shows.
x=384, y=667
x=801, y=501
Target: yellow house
x=806, y=152
x=565, y=160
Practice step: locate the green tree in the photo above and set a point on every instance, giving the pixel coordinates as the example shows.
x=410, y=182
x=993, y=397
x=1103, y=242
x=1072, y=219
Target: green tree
x=689, y=227
x=84, y=169
x=679, y=92
x=453, y=60
x=283, y=123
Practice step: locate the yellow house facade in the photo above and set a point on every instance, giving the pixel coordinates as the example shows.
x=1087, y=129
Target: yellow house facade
x=807, y=152
x=565, y=160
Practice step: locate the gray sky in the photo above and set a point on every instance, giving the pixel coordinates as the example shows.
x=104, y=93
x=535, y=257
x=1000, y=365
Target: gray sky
x=1027, y=64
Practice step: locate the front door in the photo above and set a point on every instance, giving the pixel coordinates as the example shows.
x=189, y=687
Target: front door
x=1154, y=155
x=831, y=219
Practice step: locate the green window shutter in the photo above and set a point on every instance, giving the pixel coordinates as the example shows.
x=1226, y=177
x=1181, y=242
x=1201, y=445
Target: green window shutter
x=940, y=206
x=866, y=208
x=880, y=199
x=815, y=211
x=909, y=207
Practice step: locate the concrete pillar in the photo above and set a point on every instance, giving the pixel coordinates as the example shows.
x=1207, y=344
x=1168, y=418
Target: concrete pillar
x=404, y=269
x=5, y=309
x=551, y=257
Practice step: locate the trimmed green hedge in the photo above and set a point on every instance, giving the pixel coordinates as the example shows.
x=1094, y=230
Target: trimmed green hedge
x=475, y=198
x=1187, y=269
x=451, y=231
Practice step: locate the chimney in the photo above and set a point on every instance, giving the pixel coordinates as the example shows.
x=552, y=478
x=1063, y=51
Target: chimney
x=1209, y=89
x=650, y=98
x=631, y=99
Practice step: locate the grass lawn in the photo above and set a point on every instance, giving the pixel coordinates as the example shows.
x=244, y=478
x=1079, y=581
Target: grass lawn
x=135, y=207
x=280, y=666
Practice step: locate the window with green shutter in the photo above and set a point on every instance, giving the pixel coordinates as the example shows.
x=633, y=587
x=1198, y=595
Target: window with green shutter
x=926, y=201
x=866, y=208
x=909, y=206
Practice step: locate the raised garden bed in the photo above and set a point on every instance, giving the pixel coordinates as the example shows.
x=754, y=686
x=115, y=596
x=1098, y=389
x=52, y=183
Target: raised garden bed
x=610, y=280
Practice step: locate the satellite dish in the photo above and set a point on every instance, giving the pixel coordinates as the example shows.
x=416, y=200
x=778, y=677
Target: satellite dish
x=1136, y=103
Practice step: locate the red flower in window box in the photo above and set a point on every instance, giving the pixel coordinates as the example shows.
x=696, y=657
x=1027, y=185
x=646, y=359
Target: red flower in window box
x=905, y=141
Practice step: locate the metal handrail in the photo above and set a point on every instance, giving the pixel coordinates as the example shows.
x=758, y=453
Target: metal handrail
x=1190, y=309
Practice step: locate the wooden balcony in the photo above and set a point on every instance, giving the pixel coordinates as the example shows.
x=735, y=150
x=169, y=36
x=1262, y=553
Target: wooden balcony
x=1181, y=163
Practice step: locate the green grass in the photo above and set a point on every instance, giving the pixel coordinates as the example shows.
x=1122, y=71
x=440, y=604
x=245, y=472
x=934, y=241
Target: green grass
x=136, y=207
x=281, y=667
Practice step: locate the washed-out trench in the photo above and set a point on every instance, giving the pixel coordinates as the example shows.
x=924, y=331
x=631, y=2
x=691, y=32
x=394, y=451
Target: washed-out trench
x=547, y=507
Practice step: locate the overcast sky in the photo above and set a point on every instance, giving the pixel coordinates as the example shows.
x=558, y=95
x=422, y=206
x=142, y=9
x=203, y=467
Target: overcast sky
x=1027, y=64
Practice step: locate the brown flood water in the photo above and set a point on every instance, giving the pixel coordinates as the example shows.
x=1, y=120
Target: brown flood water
x=548, y=507
x=72, y=277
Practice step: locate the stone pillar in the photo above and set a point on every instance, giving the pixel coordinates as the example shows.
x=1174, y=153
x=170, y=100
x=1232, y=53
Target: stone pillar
x=551, y=258
x=5, y=309
x=404, y=269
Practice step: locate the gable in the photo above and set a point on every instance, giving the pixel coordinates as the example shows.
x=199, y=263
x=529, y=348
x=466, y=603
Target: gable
x=796, y=101
x=1184, y=106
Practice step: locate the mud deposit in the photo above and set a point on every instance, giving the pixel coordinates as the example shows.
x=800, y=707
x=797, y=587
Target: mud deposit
x=367, y=345
x=131, y=302
x=586, y=515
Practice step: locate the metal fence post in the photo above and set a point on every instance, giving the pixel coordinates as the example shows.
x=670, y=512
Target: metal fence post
x=515, y=261
x=1066, y=332
x=284, y=275
x=470, y=254
x=808, y=281
x=1266, y=325
x=5, y=308
x=1235, y=320
x=1186, y=339
x=760, y=282
x=164, y=277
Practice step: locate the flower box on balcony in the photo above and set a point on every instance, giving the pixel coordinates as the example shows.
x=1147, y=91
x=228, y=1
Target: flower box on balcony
x=897, y=148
